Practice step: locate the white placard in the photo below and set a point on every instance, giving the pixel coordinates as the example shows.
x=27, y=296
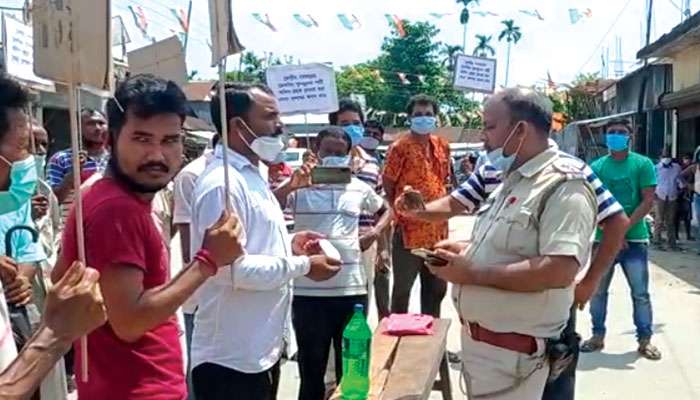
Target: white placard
x=19, y=53
x=86, y=24
x=165, y=59
x=475, y=73
x=308, y=88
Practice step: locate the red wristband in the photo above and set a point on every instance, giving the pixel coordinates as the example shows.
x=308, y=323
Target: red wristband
x=206, y=260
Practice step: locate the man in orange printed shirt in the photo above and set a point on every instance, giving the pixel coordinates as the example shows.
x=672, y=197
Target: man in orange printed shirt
x=420, y=160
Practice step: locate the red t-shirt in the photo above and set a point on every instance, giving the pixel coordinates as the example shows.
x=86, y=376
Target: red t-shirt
x=119, y=229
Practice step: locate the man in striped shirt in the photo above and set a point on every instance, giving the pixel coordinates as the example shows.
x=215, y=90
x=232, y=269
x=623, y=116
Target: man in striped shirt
x=60, y=167
x=611, y=217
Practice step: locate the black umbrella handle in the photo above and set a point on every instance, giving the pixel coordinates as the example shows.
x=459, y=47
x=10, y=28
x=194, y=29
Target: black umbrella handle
x=11, y=231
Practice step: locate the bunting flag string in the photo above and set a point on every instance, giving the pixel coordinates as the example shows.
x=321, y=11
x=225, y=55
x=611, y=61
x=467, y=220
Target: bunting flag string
x=307, y=21
x=348, y=23
x=140, y=19
x=181, y=17
x=439, y=15
x=265, y=21
x=402, y=78
x=575, y=14
x=532, y=13
x=485, y=13
x=396, y=22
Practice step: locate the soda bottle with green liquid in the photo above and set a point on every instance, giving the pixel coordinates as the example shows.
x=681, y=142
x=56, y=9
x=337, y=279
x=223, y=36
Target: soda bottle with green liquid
x=357, y=339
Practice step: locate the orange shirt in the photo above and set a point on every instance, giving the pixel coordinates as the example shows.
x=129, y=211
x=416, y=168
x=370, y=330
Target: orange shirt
x=426, y=168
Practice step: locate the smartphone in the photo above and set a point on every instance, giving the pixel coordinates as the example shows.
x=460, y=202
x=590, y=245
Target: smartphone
x=430, y=257
x=320, y=175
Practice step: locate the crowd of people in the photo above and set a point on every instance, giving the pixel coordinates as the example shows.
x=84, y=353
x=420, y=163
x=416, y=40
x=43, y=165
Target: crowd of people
x=549, y=231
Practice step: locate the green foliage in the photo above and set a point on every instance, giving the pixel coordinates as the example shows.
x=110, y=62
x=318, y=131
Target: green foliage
x=511, y=33
x=418, y=54
x=483, y=47
x=251, y=68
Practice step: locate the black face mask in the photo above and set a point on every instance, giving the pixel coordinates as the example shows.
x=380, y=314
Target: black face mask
x=126, y=180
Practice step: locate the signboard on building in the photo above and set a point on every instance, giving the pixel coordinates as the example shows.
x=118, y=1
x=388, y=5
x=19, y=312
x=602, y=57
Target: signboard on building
x=475, y=73
x=73, y=41
x=302, y=89
x=165, y=59
x=18, y=51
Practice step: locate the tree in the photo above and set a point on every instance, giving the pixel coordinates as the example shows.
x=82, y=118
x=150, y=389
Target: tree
x=251, y=68
x=511, y=33
x=421, y=58
x=483, y=47
x=450, y=53
x=464, y=17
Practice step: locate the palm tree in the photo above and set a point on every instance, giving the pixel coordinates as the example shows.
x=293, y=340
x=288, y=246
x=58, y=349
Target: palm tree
x=512, y=35
x=449, y=52
x=464, y=17
x=484, y=48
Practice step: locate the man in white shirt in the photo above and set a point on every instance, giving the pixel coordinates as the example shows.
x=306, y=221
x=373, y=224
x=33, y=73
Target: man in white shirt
x=668, y=174
x=242, y=320
x=322, y=309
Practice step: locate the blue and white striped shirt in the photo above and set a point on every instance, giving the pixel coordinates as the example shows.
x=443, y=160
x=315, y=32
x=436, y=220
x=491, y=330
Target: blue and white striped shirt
x=486, y=179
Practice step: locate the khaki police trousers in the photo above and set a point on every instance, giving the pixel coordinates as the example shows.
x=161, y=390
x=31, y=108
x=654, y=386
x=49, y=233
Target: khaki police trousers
x=491, y=372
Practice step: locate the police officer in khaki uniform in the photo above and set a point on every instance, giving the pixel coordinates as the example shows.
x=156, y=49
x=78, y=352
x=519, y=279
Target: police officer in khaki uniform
x=514, y=282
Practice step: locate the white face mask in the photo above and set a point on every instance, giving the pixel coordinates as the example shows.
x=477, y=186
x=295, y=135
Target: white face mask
x=666, y=161
x=266, y=147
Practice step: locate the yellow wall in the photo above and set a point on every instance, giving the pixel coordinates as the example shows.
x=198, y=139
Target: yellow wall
x=686, y=68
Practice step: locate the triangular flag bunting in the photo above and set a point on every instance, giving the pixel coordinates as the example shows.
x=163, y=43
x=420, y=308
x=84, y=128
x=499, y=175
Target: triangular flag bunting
x=181, y=17
x=348, y=23
x=140, y=19
x=421, y=78
x=265, y=21
x=300, y=19
x=403, y=79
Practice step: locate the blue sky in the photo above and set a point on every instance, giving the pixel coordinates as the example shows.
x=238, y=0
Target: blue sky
x=553, y=45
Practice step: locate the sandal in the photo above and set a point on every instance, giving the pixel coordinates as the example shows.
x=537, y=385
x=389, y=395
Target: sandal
x=648, y=350
x=595, y=343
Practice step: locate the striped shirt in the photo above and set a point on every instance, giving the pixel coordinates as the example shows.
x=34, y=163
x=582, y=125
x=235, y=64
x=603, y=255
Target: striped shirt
x=486, y=179
x=367, y=169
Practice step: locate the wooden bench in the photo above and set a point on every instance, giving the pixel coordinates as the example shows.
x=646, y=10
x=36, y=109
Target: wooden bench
x=406, y=367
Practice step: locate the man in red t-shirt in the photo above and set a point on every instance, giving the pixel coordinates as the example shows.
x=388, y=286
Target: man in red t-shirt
x=136, y=354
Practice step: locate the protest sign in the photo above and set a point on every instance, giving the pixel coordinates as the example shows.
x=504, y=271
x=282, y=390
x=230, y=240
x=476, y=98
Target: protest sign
x=475, y=73
x=165, y=59
x=19, y=54
x=308, y=88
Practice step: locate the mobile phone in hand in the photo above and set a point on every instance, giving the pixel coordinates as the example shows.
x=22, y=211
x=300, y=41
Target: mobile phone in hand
x=430, y=257
x=330, y=175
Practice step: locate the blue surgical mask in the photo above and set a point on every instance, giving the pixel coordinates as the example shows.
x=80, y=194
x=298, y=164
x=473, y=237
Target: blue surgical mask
x=423, y=125
x=335, y=161
x=500, y=161
x=40, y=160
x=23, y=180
x=617, y=141
x=356, y=133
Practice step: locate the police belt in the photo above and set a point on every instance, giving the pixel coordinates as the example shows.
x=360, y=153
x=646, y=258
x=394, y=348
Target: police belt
x=510, y=341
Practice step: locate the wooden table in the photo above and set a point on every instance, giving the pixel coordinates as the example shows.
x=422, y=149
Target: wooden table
x=406, y=367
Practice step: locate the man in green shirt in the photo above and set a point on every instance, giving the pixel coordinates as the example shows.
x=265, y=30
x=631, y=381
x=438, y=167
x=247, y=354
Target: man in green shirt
x=631, y=178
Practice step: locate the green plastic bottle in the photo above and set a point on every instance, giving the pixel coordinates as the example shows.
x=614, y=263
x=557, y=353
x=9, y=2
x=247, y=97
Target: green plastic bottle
x=357, y=340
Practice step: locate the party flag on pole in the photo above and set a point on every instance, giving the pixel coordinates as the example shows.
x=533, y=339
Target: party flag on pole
x=397, y=23
x=140, y=19
x=224, y=41
x=265, y=21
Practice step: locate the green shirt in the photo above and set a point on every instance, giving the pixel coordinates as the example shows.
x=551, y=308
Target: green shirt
x=625, y=179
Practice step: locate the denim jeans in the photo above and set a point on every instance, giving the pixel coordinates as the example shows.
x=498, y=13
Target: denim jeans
x=635, y=265
x=189, y=328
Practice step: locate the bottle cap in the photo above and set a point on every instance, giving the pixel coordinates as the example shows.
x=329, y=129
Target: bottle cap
x=359, y=308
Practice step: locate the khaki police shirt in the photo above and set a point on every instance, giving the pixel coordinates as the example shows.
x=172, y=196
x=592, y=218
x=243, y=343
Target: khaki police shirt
x=544, y=208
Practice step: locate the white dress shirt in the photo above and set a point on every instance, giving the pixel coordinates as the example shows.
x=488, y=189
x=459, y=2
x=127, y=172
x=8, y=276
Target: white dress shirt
x=667, y=181
x=243, y=317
